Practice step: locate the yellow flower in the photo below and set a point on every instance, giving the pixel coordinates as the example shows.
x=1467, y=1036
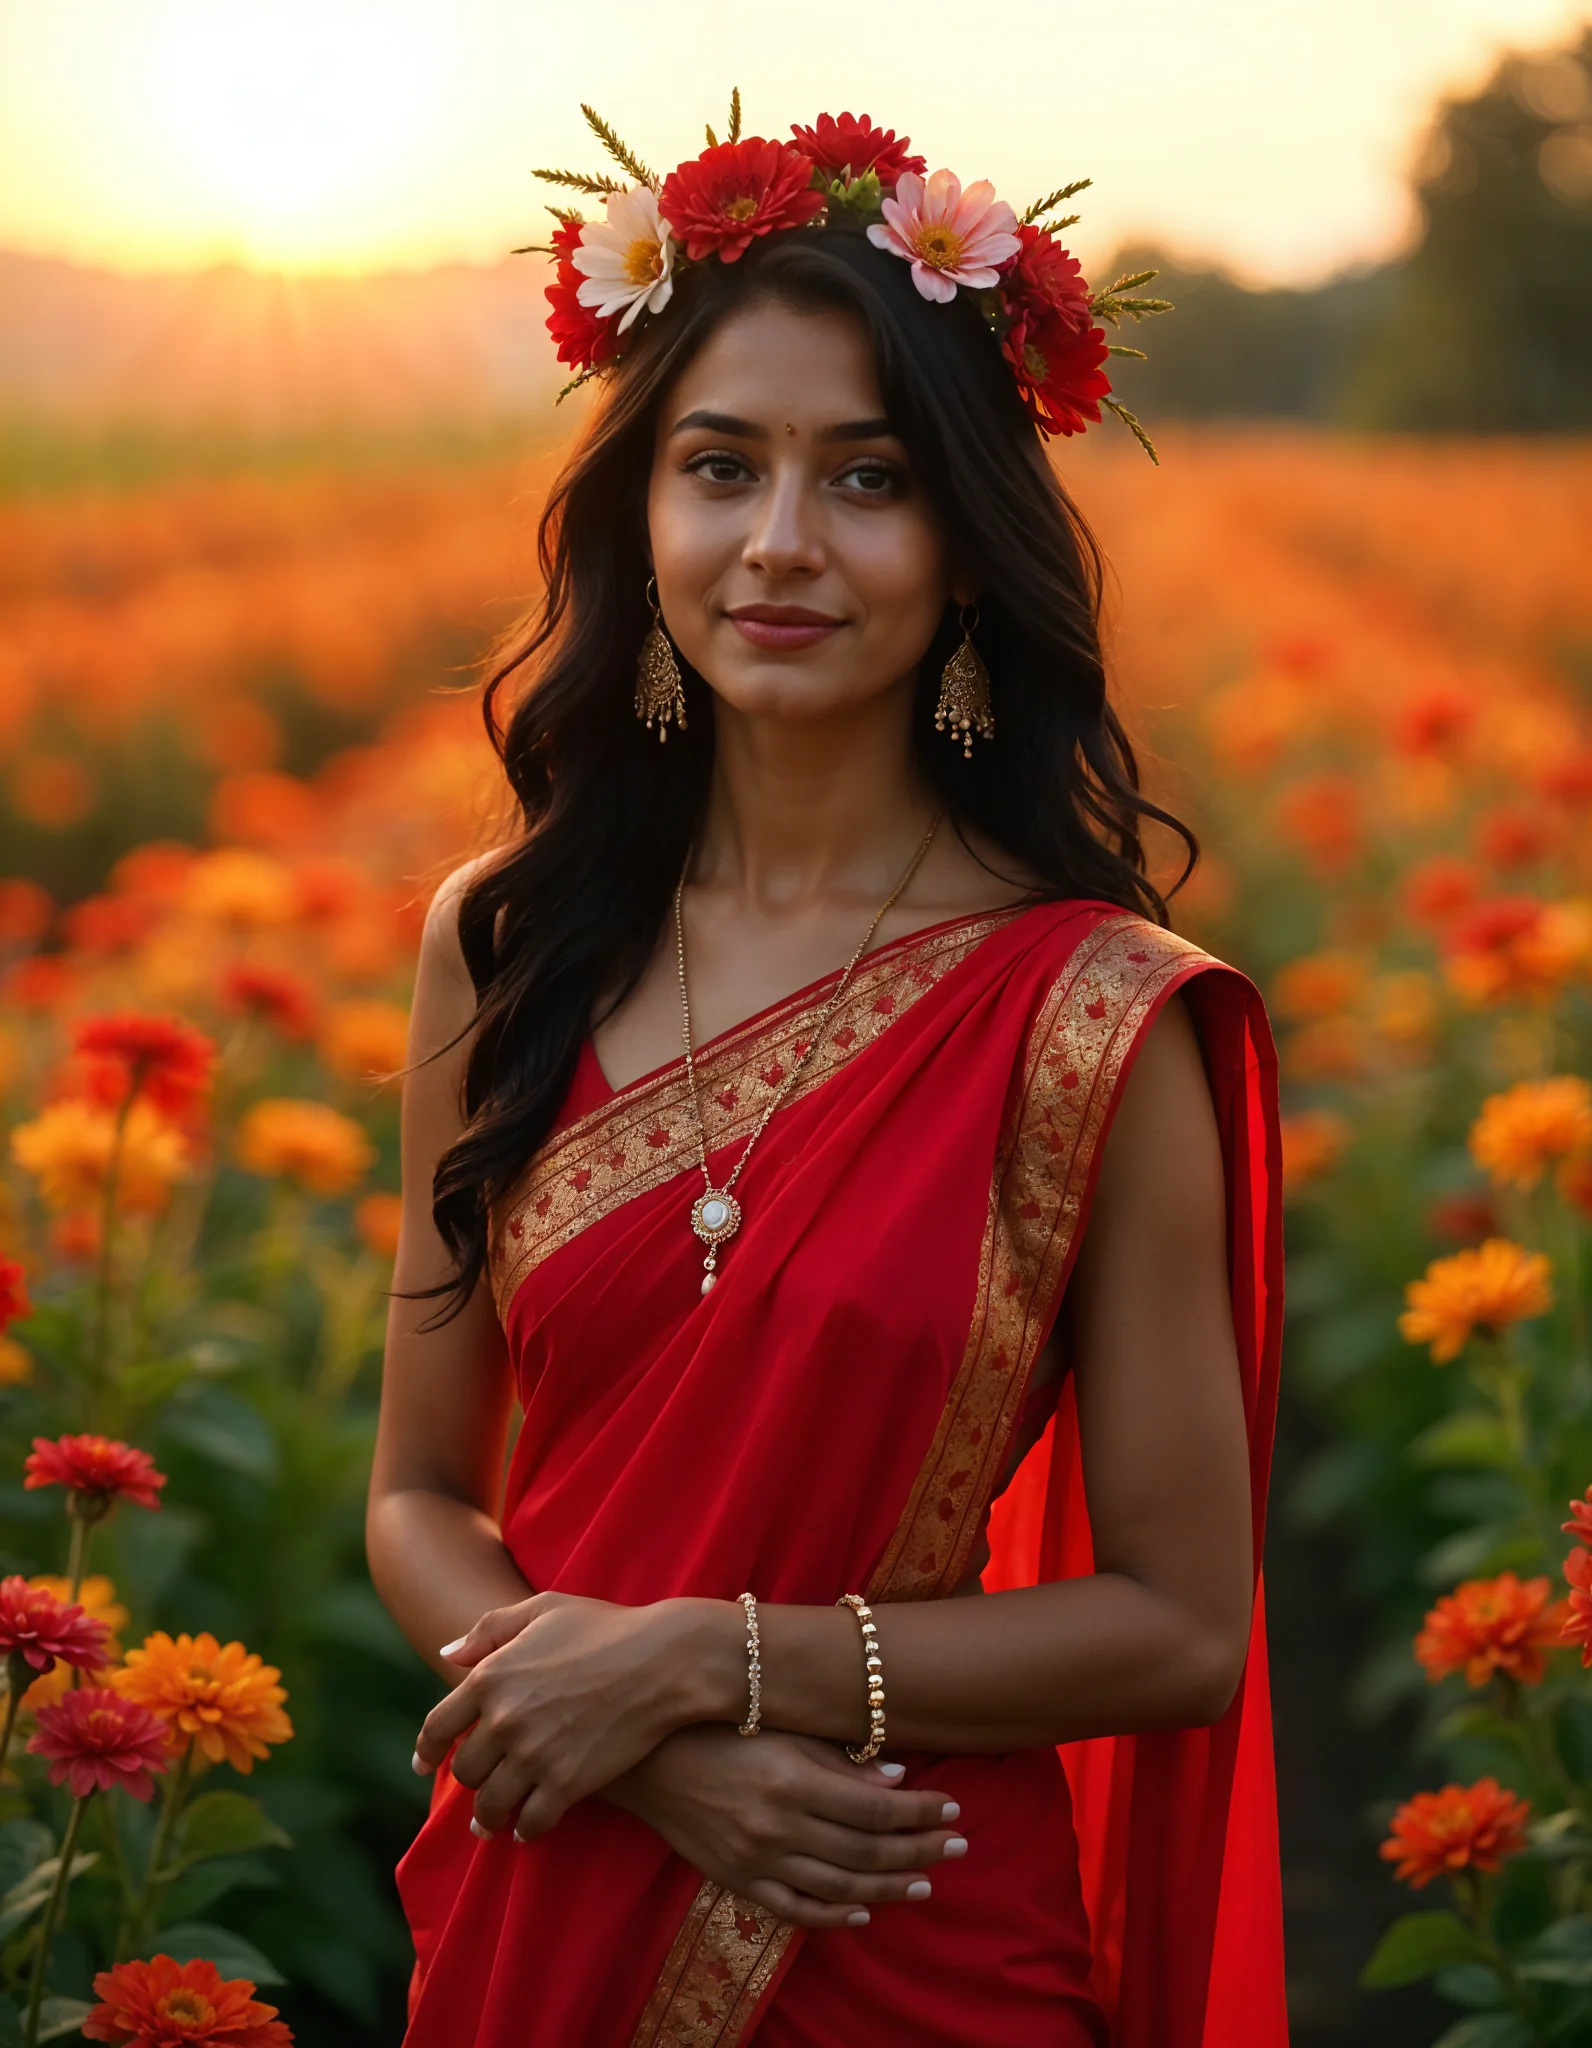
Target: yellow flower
x=97, y=1598
x=234, y=887
x=1485, y=1288
x=68, y=1149
x=1311, y=1143
x=1519, y=1131
x=223, y=1699
x=309, y=1142
x=365, y=1041
x=16, y=1363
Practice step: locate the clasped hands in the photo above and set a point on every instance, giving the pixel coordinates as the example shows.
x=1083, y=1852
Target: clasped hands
x=566, y=1697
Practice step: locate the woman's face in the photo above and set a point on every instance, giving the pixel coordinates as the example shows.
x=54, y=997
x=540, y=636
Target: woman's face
x=799, y=569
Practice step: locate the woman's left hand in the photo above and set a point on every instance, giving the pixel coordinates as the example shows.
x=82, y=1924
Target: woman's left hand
x=563, y=1695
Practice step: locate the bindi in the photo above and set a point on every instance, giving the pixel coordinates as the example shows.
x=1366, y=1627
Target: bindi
x=790, y=429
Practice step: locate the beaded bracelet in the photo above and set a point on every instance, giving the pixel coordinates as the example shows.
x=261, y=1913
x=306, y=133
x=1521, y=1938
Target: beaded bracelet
x=754, y=1668
x=875, y=1671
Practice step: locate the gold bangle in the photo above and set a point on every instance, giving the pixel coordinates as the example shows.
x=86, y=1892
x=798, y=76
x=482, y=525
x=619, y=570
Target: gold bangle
x=754, y=1668
x=875, y=1671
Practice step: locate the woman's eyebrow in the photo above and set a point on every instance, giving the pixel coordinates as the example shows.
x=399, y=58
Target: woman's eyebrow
x=858, y=430
x=721, y=423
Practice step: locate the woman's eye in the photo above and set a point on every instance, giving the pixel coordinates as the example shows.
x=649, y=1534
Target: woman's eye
x=718, y=468
x=872, y=479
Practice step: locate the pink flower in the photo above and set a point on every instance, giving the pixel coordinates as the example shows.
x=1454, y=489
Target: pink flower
x=38, y=1628
x=949, y=236
x=99, y=1740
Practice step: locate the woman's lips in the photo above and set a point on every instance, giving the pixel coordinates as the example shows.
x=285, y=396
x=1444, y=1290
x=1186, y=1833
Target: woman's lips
x=782, y=627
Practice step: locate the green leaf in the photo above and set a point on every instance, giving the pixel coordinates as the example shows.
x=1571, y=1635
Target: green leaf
x=231, y=1954
x=1468, y=1438
x=10, y=2023
x=1478, y=1723
x=1417, y=1944
x=1475, y=1984
x=226, y=1824
x=1488, y=2030
x=221, y=1426
x=24, y=1844
x=59, y=2017
x=198, y=1886
x=27, y=1897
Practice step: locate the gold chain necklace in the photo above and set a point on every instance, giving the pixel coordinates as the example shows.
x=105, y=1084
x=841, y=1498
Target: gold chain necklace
x=716, y=1214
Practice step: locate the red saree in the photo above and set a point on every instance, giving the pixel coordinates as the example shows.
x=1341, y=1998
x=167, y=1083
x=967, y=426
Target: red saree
x=839, y=1415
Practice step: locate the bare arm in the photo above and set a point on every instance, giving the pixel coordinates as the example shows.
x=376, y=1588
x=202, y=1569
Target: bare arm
x=1155, y=1638
x=431, y=1531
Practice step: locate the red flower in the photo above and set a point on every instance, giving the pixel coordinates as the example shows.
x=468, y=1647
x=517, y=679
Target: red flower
x=163, y=1059
x=1580, y=1523
x=1487, y=1625
x=1578, y=1625
x=850, y=144
x=1463, y=1827
x=97, y=1740
x=584, y=338
x=97, y=1466
x=285, y=998
x=722, y=200
x=14, y=1302
x=165, y=2004
x=38, y=1628
x=1052, y=342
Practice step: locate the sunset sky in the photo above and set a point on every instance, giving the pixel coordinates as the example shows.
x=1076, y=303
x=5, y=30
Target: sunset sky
x=355, y=134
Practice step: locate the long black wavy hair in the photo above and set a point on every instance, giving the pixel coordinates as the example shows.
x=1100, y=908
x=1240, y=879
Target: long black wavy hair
x=564, y=918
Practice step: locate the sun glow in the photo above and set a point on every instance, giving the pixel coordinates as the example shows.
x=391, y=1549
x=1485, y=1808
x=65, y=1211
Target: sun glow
x=295, y=121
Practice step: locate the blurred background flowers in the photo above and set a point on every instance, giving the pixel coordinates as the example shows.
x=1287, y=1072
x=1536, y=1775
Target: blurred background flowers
x=265, y=495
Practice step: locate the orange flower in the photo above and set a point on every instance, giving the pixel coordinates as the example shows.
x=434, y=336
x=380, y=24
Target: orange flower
x=1431, y=719
x=166, y=2004
x=69, y=1147
x=16, y=1363
x=1318, y=985
x=25, y=911
x=1330, y=1049
x=1312, y=1142
x=376, y=1218
x=365, y=1041
x=1486, y=1288
x=1439, y=888
x=1509, y=837
x=1580, y=1523
x=1578, y=1619
x=309, y=1142
x=1463, y=1827
x=286, y=999
x=1574, y=1182
x=1403, y=1007
x=1489, y=1625
x=223, y=1699
x=1519, y=1131
x=233, y=887
x=97, y=1598
x=1321, y=814
x=1462, y=1219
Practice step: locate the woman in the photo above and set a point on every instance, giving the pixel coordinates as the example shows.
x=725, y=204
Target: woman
x=760, y=1655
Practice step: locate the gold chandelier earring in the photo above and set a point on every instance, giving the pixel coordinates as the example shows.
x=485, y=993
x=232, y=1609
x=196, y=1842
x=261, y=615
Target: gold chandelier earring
x=660, y=692
x=964, y=705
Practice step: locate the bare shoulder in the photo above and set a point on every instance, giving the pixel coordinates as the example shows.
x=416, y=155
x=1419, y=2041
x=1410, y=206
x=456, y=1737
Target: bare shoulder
x=1163, y=1146
x=444, y=998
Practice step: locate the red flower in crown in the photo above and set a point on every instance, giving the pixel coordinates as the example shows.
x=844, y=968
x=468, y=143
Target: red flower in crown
x=584, y=338
x=1052, y=343
x=721, y=201
x=850, y=144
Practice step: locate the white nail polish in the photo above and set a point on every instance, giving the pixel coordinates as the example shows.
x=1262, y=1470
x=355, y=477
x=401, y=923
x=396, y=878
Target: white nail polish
x=419, y=1766
x=948, y=1812
x=894, y=1772
x=481, y=1834
x=857, y=1919
x=920, y=1890
x=956, y=1846
x=452, y=1649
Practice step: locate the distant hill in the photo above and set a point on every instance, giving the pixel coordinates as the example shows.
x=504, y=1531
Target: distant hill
x=270, y=355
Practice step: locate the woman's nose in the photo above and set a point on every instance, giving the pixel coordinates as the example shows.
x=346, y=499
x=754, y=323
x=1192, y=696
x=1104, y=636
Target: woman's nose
x=785, y=536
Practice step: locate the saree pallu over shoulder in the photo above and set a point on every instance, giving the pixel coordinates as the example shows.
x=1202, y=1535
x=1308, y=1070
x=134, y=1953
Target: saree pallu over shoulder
x=838, y=1415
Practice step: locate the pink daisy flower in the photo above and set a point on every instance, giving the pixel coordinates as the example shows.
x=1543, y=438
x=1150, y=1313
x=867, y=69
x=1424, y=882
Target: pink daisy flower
x=949, y=236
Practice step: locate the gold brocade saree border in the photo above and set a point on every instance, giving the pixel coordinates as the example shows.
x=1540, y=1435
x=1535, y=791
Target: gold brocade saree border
x=728, y=1949
x=646, y=1134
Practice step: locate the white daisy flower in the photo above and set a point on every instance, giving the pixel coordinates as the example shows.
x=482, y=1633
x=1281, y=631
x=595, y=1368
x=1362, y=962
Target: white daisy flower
x=626, y=260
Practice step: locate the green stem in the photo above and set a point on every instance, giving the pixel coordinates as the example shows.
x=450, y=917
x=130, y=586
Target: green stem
x=16, y=1664
x=157, y=1875
x=52, y=1912
x=77, y=1553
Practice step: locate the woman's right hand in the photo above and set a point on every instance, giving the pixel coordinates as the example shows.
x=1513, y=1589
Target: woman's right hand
x=790, y=1822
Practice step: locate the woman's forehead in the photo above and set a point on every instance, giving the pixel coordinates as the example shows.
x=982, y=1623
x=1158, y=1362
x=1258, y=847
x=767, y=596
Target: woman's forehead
x=773, y=359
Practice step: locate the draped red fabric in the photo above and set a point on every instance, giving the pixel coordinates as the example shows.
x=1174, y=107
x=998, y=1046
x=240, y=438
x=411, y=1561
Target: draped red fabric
x=1178, y=1832
x=838, y=1415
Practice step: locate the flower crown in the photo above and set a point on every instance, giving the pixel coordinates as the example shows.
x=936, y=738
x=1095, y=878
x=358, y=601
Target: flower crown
x=620, y=270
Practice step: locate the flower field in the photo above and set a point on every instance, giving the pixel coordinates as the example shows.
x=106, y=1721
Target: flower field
x=239, y=748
